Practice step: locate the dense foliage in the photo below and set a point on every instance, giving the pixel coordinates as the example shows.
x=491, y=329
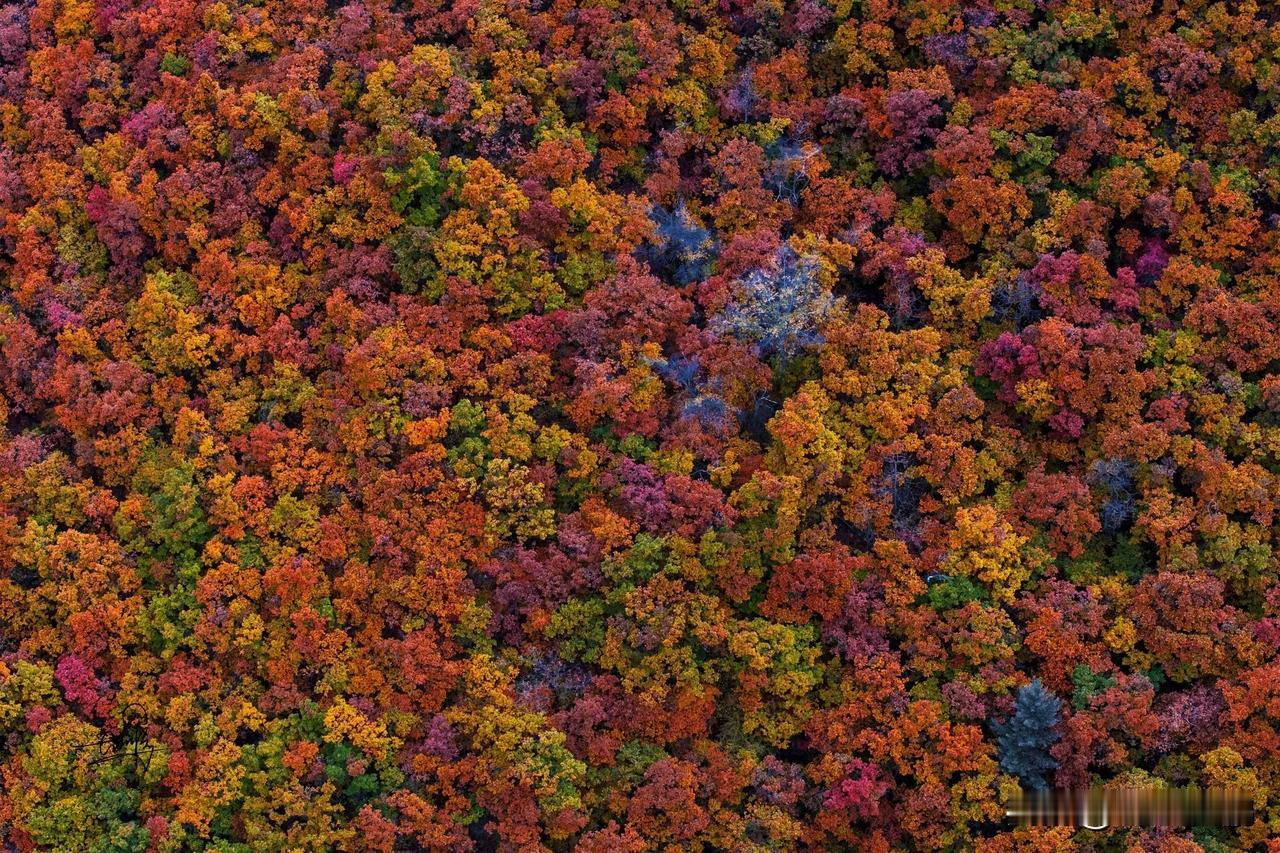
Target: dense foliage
x=617, y=425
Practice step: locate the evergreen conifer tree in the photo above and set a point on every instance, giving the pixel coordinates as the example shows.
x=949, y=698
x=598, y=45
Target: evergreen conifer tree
x=1024, y=740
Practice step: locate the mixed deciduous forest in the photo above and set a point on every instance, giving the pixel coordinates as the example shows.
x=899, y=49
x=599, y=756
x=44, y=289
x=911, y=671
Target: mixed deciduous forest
x=623, y=425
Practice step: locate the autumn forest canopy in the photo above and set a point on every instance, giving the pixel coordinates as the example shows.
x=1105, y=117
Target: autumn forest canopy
x=628, y=425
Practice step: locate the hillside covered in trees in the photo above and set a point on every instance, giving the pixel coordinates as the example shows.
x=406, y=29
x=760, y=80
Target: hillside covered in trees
x=625, y=425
